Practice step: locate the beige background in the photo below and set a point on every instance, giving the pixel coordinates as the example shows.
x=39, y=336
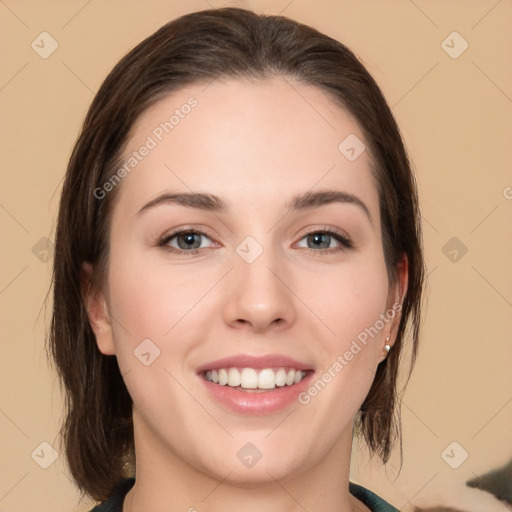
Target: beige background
x=455, y=114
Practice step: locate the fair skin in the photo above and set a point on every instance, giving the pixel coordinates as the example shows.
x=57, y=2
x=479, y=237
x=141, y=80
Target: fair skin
x=255, y=145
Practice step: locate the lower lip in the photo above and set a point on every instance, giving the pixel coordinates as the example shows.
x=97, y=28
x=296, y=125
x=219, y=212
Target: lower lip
x=257, y=403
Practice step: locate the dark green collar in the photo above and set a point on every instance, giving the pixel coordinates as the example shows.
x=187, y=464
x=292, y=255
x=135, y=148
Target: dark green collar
x=370, y=499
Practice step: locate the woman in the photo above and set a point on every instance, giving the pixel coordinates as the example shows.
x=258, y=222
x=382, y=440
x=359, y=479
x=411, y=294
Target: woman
x=238, y=255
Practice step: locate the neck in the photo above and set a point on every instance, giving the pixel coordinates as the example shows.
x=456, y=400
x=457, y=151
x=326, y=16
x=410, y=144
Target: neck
x=164, y=481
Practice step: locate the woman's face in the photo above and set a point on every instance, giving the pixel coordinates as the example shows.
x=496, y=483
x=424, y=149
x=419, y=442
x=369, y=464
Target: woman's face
x=278, y=272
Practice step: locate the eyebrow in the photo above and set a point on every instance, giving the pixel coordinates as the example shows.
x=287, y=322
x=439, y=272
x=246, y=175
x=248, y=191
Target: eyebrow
x=210, y=202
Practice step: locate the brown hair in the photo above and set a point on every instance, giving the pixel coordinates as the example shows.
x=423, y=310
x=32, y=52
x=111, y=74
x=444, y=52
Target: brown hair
x=199, y=47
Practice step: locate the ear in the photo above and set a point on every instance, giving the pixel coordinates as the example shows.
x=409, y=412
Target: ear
x=395, y=300
x=97, y=312
x=402, y=273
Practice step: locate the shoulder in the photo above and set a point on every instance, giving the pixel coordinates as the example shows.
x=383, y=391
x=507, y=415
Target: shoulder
x=370, y=499
x=115, y=501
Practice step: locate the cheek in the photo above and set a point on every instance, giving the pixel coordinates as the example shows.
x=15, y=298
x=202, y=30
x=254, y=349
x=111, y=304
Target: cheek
x=351, y=306
x=152, y=298
x=151, y=305
x=351, y=299
x=350, y=309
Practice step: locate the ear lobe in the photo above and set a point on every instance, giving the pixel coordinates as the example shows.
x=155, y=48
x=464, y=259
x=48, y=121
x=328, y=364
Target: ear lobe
x=97, y=312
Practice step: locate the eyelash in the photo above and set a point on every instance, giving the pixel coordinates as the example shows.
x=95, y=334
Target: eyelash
x=337, y=235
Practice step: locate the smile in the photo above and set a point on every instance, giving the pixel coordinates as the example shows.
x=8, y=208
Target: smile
x=255, y=379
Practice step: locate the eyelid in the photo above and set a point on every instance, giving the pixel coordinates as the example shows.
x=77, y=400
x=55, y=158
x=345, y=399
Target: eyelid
x=164, y=239
x=339, y=235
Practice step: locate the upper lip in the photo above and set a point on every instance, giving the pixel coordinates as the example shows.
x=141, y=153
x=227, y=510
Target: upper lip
x=256, y=362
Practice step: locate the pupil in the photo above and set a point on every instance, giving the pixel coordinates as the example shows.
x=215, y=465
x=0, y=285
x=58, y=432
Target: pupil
x=189, y=239
x=317, y=238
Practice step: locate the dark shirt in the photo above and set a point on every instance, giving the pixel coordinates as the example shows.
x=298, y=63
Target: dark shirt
x=370, y=499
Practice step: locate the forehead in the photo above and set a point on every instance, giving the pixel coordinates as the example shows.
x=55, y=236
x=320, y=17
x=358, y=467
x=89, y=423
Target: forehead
x=261, y=139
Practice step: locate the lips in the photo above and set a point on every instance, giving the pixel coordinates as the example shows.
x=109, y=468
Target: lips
x=262, y=391
x=256, y=362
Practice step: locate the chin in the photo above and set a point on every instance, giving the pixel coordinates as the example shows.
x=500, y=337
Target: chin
x=262, y=473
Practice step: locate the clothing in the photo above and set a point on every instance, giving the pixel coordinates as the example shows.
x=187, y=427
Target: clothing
x=371, y=500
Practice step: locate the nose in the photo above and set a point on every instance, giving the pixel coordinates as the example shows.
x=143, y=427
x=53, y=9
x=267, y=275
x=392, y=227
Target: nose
x=260, y=295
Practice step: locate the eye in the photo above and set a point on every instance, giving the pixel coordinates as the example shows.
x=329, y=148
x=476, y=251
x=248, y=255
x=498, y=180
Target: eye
x=188, y=241
x=321, y=241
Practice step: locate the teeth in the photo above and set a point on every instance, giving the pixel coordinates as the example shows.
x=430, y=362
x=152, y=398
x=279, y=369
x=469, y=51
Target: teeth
x=281, y=377
x=249, y=378
x=266, y=379
x=297, y=378
x=223, y=377
x=233, y=377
